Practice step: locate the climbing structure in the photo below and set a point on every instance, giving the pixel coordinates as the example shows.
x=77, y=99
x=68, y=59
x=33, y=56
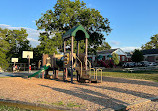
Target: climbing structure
x=71, y=61
x=78, y=33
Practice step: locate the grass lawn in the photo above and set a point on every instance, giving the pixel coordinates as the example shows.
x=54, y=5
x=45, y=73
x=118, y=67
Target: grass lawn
x=6, y=106
x=146, y=75
x=12, y=108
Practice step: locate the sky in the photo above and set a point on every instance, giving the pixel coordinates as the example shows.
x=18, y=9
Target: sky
x=133, y=21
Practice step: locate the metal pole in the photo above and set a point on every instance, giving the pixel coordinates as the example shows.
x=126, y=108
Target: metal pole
x=29, y=63
x=72, y=59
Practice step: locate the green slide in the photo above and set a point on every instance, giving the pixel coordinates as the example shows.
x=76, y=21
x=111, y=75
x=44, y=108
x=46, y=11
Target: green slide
x=42, y=69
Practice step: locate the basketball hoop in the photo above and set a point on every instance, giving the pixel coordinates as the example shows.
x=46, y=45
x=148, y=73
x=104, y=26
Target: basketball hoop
x=28, y=55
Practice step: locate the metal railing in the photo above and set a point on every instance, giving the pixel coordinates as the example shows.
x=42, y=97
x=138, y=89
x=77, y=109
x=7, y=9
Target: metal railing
x=93, y=72
x=89, y=64
x=99, y=69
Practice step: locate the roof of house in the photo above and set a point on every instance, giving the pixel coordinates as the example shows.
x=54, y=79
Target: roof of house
x=150, y=51
x=106, y=51
x=128, y=53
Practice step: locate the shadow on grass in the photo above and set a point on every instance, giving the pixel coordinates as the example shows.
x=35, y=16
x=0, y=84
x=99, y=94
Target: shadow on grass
x=92, y=96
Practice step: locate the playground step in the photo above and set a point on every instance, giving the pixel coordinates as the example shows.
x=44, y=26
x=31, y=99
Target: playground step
x=93, y=80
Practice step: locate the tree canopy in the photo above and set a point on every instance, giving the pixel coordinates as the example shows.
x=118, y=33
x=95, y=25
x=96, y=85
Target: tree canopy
x=4, y=48
x=137, y=56
x=115, y=58
x=152, y=44
x=12, y=43
x=67, y=14
x=104, y=46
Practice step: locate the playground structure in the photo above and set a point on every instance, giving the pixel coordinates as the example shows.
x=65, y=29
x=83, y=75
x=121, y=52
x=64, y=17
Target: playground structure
x=71, y=61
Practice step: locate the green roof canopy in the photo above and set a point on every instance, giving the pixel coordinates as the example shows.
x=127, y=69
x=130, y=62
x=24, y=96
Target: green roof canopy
x=78, y=32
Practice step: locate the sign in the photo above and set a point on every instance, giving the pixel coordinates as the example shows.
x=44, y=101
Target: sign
x=14, y=59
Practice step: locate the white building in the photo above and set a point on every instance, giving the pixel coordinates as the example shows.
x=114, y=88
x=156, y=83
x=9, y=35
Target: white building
x=107, y=54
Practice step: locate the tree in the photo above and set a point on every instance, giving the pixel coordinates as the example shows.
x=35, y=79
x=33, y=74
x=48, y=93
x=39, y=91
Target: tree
x=115, y=58
x=12, y=43
x=66, y=15
x=4, y=48
x=152, y=44
x=104, y=46
x=137, y=56
x=18, y=43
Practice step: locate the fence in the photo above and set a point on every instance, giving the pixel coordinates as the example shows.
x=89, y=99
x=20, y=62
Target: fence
x=21, y=66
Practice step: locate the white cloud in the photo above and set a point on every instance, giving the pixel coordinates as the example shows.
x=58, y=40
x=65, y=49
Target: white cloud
x=4, y=25
x=33, y=34
x=33, y=42
x=129, y=49
x=115, y=42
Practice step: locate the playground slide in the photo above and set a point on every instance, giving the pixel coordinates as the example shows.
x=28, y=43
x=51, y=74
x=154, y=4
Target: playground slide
x=42, y=69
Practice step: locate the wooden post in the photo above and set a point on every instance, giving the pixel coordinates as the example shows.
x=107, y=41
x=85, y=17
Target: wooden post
x=64, y=68
x=64, y=46
x=78, y=45
x=72, y=59
x=43, y=74
x=78, y=76
x=86, y=50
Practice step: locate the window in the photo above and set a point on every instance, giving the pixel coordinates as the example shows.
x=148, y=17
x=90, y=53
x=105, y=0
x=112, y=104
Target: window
x=123, y=58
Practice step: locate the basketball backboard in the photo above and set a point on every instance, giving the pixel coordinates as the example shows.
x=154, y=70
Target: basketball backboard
x=27, y=54
x=14, y=59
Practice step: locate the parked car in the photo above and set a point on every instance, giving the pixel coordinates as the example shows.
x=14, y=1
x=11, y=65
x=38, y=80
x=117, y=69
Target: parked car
x=144, y=63
x=152, y=64
x=138, y=64
x=128, y=64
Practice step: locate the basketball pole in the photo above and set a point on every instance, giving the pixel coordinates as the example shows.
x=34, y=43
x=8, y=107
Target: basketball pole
x=29, y=63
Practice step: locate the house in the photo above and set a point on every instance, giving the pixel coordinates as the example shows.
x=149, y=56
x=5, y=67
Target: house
x=150, y=55
x=129, y=56
x=107, y=54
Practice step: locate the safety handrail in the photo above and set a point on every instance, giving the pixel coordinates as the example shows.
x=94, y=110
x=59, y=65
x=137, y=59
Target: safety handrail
x=94, y=72
x=99, y=69
x=89, y=64
x=81, y=64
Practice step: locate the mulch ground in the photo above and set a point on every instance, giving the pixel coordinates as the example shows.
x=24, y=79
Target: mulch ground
x=111, y=93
